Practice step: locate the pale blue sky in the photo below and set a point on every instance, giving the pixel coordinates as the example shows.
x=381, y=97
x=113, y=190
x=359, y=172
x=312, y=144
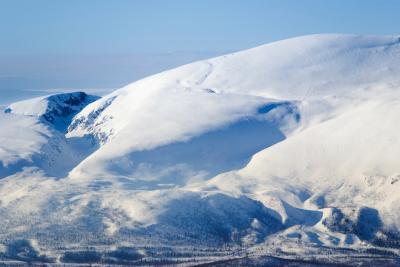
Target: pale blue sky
x=48, y=44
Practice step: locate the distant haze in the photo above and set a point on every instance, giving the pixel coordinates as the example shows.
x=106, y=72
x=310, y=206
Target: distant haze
x=102, y=45
x=28, y=76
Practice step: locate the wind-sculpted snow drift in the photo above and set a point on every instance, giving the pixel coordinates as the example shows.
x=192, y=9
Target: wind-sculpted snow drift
x=289, y=149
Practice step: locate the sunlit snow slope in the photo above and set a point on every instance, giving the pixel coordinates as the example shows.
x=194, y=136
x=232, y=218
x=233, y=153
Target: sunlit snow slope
x=293, y=141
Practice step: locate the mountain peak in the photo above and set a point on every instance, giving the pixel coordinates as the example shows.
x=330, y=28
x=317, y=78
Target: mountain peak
x=57, y=110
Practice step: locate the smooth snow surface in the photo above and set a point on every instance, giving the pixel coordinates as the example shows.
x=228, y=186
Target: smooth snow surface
x=288, y=147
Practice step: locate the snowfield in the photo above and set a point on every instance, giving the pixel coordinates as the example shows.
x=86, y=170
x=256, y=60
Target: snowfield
x=284, y=152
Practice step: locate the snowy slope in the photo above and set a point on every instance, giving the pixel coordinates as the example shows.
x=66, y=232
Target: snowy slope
x=32, y=134
x=294, y=142
x=319, y=74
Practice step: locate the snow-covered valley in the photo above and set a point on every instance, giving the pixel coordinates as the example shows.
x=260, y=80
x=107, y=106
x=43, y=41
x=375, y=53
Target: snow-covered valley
x=287, y=151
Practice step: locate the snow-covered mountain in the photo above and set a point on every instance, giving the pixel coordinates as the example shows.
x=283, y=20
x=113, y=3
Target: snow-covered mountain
x=32, y=133
x=288, y=149
x=57, y=110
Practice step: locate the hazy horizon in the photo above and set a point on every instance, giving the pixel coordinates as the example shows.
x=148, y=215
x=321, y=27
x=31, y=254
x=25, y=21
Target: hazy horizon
x=102, y=45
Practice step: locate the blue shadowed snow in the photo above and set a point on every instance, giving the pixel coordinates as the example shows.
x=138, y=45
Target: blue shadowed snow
x=206, y=155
